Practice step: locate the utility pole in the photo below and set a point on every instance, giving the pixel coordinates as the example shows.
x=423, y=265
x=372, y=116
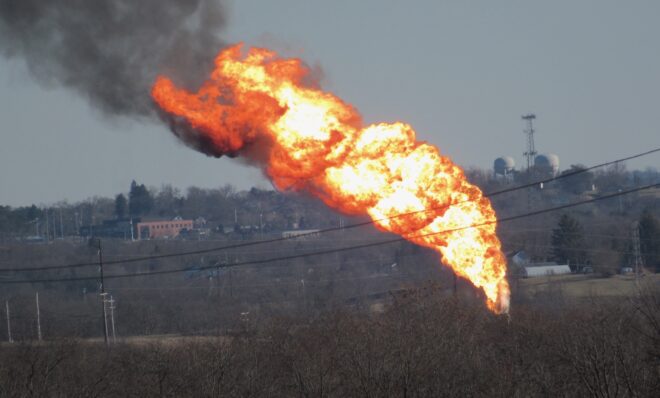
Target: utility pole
x=38, y=316
x=8, y=323
x=105, y=317
x=112, y=318
x=103, y=293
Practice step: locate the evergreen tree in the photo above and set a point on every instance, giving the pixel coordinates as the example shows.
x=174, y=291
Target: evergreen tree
x=120, y=206
x=568, y=245
x=140, y=200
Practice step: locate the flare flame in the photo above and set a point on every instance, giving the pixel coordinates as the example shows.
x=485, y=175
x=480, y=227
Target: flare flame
x=307, y=139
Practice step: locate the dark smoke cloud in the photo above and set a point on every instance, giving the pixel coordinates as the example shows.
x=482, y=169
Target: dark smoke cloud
x=111, y=50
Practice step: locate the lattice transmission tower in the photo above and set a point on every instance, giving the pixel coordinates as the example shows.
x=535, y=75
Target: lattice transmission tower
x=530, y=153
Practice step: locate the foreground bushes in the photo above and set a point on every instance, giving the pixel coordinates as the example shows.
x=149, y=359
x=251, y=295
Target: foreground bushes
x=420, y=347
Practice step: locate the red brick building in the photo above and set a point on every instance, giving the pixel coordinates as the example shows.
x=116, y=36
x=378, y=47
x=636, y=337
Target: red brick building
x=162, y=229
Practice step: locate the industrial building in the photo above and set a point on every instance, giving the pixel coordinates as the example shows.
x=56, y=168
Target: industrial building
x=137, y=229
x=528, y=269
x=544, y=269
x=163, y=229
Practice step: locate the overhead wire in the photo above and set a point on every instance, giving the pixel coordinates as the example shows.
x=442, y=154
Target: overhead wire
x=326, y=230
x=338, y=250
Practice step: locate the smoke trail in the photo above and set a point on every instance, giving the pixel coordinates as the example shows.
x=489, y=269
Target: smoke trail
x=110, y=51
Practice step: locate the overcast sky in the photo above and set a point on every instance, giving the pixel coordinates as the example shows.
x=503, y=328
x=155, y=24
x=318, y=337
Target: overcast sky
x=461, y=72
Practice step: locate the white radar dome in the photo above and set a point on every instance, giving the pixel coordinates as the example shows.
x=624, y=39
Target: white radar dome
x=547, y=162
x=504, y=165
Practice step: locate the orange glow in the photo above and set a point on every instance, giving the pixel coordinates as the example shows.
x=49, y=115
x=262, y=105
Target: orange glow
x=310, y=140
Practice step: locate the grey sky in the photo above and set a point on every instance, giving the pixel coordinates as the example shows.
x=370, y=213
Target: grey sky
x=460, y=72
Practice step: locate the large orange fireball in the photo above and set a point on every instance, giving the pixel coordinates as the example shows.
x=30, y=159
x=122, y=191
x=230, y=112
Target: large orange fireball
x=264, y=107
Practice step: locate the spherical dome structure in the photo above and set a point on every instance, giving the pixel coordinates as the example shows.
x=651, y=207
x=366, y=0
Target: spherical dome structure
x=547, y=162
x=504, y=165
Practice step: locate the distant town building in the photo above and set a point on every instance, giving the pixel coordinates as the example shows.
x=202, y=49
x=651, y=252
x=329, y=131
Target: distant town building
x=528, y=269
x=163, y=229
x=303, y=233
x=544, y=269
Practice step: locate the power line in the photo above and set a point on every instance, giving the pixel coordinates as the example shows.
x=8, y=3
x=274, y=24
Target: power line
x=262, y=285
x=326, y=230
x=246, y=244
x=586, y=235
x=585, y=249
x=342, y=249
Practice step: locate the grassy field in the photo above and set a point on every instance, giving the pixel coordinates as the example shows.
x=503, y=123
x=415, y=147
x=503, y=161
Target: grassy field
x=584, y=286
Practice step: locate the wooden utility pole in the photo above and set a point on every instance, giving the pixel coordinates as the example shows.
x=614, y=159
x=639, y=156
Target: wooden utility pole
x=105, y=320
x=38, y=316
x=112, y=319
x=638, y=262
x=8, y=323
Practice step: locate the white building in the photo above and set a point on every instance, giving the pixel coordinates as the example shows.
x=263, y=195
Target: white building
x=544, y=269
x=302, y=233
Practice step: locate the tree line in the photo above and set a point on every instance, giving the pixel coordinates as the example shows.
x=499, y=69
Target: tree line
x=424, y=345
x=598, y=235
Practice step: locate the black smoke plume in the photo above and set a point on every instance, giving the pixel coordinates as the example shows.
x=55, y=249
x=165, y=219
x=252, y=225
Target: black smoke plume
x=110, y=51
